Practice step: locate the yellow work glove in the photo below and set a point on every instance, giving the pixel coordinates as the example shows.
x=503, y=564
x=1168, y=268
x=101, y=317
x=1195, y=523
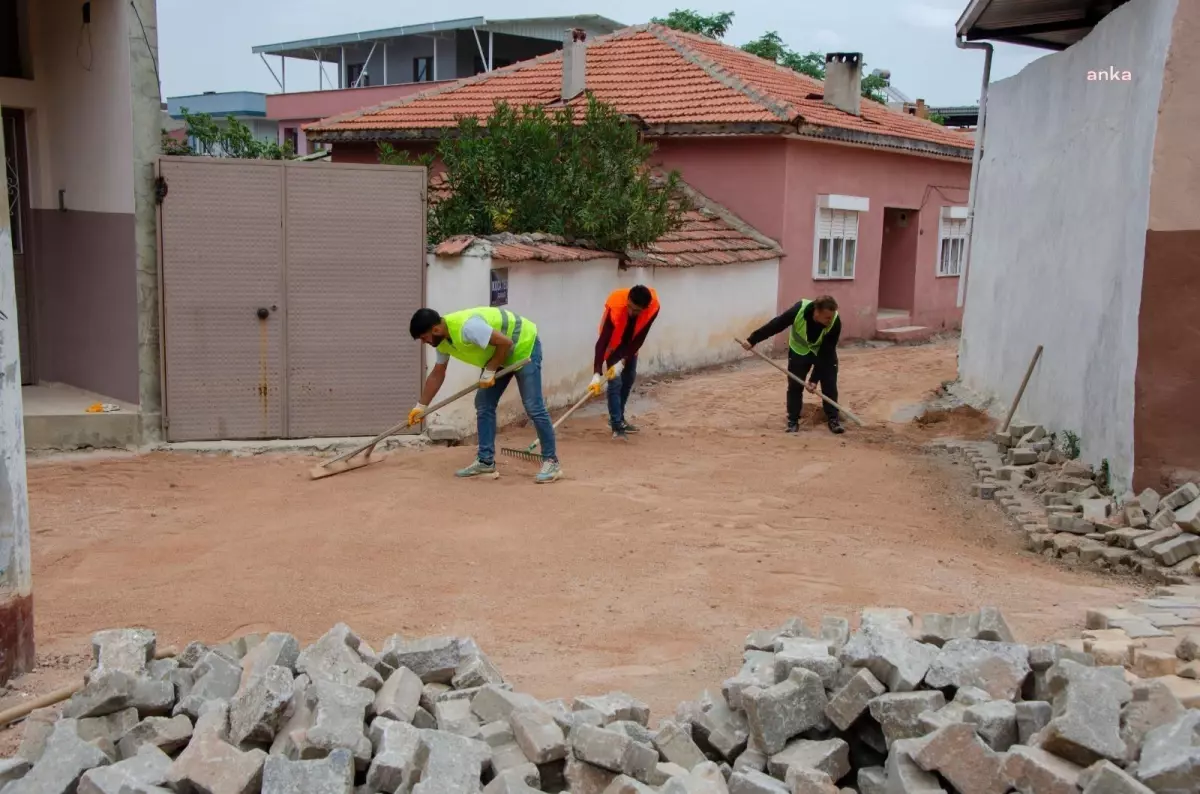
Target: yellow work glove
x=416, y=414
x=487, y=379
x=597, y=385
x=616, y=369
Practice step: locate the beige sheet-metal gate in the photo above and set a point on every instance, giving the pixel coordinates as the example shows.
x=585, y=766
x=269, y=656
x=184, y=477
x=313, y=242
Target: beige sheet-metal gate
x=286, y=293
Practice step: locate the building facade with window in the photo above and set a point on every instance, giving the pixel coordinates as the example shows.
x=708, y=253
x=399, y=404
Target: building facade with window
x=82, y=119
x=368, y=68
x=82, y=116
x=856, y=193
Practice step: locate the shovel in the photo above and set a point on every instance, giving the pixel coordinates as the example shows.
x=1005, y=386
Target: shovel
x=857, y=421
x=349, y=461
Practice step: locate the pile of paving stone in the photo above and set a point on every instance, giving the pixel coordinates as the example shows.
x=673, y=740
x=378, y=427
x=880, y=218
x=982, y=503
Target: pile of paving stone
x=1065, y=512
x=946, y=703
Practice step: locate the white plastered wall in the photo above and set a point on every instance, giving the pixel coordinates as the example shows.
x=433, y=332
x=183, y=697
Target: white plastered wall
x=1060, y=231
x=703, y=308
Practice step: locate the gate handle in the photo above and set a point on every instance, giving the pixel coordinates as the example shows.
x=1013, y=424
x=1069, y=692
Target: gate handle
x=263, y=312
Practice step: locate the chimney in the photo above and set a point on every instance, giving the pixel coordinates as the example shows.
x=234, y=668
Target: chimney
x=843, y=81
x=574, y=63
x=922, y=110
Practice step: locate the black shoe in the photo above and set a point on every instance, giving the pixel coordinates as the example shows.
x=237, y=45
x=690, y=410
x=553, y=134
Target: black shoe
x=835, y=426
x=793, y=427
x=619, y=435
x=630, y=428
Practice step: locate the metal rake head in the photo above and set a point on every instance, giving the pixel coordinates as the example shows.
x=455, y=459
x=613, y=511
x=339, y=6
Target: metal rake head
x=522, y=454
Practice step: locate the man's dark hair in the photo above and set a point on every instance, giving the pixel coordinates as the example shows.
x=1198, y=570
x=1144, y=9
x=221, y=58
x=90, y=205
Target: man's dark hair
x=825, y=303
x=423, y=320
x=639, y=296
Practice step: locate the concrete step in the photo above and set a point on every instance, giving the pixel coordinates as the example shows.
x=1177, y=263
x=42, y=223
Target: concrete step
x=891, y=318
x=906, y=333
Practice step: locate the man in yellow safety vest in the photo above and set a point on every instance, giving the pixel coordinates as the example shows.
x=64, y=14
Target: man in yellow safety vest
x=812, y=346
x=491, y=339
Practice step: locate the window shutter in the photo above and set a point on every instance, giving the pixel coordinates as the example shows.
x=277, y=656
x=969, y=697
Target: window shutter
x=851, y=226
x=825, y=224
x=838, y=226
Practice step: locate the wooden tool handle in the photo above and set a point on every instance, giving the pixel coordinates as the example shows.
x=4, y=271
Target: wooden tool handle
x=586, y=396
x=857, y=421
x=9, y=716
x=1021, y=391
x=561, y=419
x=396, y=428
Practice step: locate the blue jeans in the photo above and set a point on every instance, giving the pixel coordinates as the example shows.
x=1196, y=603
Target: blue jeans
x=529, y=382
x=618, y=394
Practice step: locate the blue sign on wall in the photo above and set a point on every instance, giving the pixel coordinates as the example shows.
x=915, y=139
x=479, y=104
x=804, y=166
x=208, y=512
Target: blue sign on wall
x=500, y=287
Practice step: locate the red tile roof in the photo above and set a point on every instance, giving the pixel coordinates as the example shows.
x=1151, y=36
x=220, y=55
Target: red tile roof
x=675, y=83
x=708, y=235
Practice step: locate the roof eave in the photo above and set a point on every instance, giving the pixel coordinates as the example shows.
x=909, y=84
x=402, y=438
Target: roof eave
x=889, y=142
x=377, y=136
x=831, y=134
x=367, y=35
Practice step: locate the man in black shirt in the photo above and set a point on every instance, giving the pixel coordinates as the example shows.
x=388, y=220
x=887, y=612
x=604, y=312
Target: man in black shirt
x=815, y=328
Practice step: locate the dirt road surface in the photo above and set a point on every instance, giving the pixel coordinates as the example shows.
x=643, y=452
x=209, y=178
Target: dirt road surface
x=643, y=570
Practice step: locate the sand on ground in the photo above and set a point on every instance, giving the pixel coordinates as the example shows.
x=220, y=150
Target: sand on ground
x=642, y=570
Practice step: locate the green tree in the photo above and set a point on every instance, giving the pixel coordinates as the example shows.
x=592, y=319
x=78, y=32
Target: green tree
x=231, y=139
x=937, y=118
x=527, y=171
x=712, y=25
x=769, y=46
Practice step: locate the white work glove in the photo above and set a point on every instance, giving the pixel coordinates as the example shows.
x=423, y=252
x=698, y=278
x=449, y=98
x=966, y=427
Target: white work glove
x=487, y=378
x=416, y=414
x=597, y=385
x=616, y=369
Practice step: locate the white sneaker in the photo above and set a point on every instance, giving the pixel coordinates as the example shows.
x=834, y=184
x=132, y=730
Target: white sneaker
x=550, y=472
x=477, y=469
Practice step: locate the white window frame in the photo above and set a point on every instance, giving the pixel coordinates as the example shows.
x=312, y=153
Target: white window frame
x=953, y=231
x=843, y=215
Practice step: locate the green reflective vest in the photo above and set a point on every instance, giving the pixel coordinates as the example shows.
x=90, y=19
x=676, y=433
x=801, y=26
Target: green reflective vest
x=798, y=341
x=514, y=326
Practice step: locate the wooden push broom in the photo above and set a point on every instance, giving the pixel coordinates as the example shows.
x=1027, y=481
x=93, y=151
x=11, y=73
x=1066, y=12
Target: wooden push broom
x=351, y=460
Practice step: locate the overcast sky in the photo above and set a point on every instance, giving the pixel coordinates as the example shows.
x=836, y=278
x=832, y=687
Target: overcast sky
x=207, y=48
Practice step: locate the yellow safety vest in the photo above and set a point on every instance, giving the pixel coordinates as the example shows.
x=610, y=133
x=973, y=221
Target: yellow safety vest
x=514, y=326
x=799, y=337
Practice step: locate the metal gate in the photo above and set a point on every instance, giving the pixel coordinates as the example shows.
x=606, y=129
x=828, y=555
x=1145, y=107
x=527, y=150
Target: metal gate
x=286, y=293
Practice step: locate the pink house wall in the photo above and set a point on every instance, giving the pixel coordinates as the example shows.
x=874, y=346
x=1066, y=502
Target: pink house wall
x=746, y=175
x=773, y=183
x=887, y=180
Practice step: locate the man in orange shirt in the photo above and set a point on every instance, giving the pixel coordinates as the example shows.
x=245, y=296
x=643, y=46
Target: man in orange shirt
x=628, y=315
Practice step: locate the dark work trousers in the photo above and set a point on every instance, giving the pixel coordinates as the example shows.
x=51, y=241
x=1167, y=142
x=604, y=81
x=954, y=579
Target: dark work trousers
x=618, y=393
x=826, y=376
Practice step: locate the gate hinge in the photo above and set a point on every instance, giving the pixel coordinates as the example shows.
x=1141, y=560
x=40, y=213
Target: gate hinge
x=160, y=189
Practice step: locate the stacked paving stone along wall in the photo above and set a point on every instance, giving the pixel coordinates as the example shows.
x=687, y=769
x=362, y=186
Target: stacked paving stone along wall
x=946, y=703
x=1062, y=508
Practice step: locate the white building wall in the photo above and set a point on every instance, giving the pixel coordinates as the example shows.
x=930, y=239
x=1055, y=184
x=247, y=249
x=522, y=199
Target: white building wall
x=1060, y=230
x=703, y=308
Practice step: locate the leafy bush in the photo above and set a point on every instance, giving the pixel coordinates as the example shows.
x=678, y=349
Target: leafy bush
x=1069, y=445
x=231, y=139
x=529, y=171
